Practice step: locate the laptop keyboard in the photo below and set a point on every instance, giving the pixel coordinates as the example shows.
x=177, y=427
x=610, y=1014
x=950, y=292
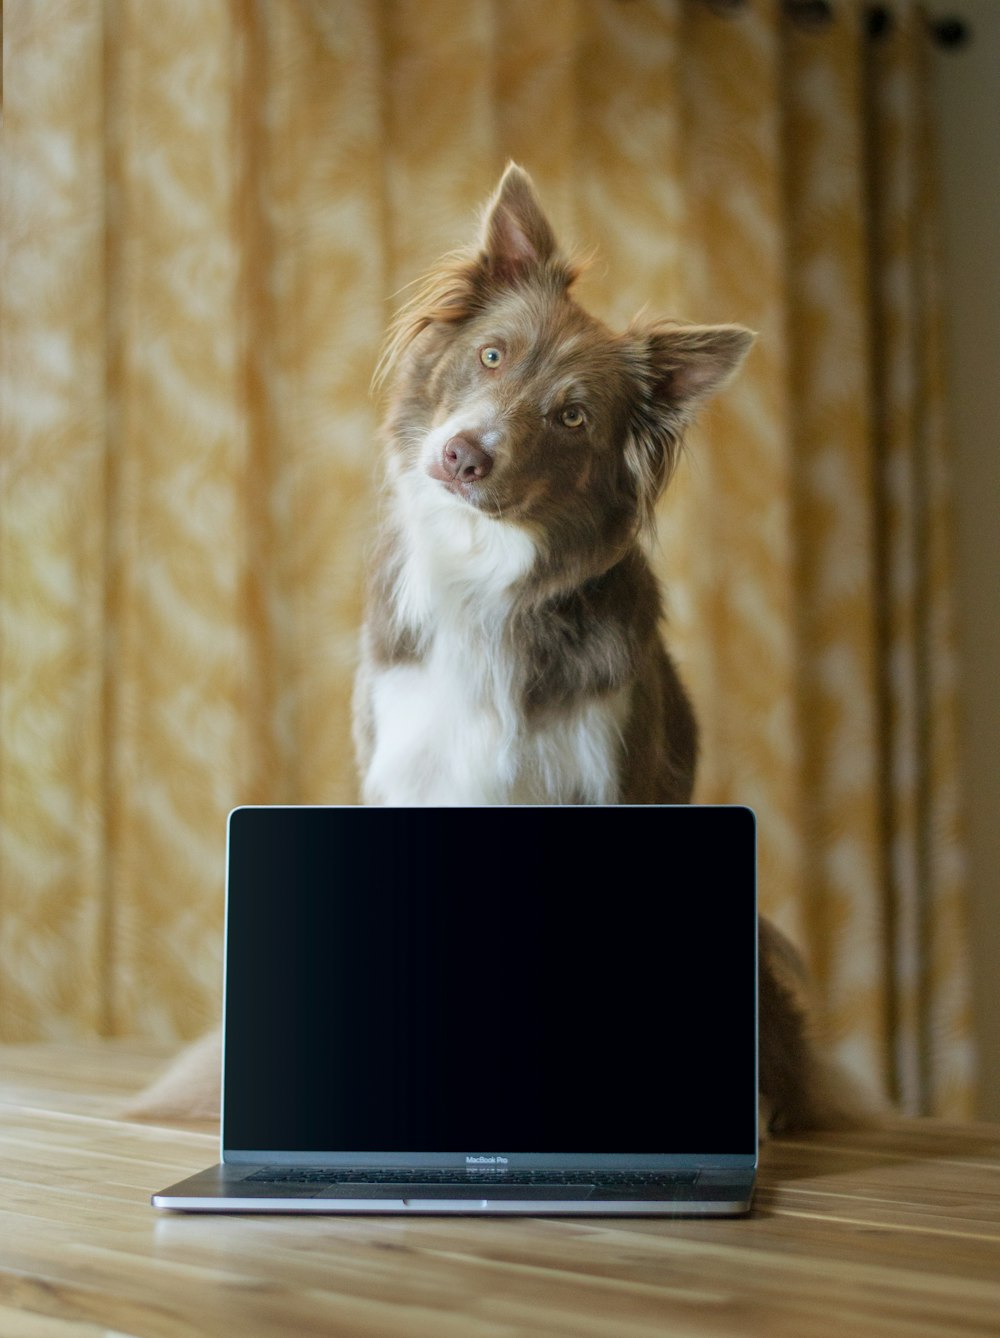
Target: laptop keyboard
x=331, y=1175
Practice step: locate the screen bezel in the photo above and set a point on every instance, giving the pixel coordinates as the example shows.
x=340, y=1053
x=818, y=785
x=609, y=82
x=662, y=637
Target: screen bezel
x=513, y=1161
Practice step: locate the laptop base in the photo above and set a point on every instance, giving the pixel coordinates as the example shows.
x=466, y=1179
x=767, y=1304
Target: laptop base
x=219, y=1190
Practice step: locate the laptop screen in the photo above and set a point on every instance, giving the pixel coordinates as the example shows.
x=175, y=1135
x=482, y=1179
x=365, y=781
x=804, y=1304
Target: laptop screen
x=571, y=980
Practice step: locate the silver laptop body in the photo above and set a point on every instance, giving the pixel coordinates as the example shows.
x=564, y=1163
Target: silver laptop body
x=487, y=1010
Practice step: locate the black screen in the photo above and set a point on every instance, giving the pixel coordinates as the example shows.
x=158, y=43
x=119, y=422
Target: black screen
x=507, y=979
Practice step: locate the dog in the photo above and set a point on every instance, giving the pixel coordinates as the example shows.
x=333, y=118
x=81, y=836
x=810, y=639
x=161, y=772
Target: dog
x=512, y=649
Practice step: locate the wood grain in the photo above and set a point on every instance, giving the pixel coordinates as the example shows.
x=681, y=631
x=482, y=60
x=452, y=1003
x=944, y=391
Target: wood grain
x=894, y=1232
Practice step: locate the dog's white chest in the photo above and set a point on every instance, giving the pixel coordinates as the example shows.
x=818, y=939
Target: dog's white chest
x=450, y=728
x=436, y=740
x=443, y=737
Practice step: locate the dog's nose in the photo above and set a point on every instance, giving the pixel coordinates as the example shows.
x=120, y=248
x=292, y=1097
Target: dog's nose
x=465, y=460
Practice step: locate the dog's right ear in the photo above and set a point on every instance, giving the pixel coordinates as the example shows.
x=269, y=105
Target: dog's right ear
x=517, y=242
x=517, y=238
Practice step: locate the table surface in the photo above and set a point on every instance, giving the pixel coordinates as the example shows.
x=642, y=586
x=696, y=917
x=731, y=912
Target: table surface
x=894, y=1232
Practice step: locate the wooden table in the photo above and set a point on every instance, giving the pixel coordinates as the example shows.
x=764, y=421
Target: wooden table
x=888, y=1233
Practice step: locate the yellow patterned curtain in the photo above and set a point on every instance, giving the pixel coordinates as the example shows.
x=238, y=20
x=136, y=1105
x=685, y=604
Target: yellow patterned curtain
x=208, y=206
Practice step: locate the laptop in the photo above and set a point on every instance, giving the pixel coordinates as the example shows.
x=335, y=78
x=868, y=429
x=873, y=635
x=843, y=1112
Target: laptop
x=487, y=1010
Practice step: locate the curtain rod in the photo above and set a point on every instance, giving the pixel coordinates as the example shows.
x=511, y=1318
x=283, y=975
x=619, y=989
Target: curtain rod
x=946, y=32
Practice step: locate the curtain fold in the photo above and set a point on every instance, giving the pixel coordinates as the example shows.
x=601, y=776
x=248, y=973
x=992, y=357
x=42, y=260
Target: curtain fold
x=921, y=834
x=210, y=211
x=831, y=389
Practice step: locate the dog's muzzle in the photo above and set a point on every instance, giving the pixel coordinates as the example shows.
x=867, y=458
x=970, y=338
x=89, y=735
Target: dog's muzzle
x=463, y=460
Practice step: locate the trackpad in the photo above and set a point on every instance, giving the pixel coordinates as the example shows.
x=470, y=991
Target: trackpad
x=413, y=1193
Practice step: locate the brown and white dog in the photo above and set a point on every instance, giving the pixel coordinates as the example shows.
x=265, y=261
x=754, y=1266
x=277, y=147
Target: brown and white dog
x=511, y=650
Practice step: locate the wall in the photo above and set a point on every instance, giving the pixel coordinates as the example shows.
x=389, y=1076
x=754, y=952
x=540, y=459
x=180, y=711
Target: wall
x=966, y=84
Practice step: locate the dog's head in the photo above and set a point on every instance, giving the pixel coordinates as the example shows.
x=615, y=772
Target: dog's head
x=510, y=398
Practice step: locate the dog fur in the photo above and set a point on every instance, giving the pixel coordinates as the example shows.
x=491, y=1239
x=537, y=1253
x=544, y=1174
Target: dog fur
x=511, y=650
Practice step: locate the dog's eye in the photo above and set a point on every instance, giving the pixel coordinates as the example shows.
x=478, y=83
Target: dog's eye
x=491, y=356
x=572, y=416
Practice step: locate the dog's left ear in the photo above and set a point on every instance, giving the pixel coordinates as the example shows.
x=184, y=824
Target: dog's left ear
x=688, y=363
x=681, y=366
x=517, y=237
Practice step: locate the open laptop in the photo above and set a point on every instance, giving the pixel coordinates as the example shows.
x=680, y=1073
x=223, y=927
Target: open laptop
x=487, y=1010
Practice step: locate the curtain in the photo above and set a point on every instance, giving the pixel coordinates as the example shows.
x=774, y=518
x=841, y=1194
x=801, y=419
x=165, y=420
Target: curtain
x=210, y=211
